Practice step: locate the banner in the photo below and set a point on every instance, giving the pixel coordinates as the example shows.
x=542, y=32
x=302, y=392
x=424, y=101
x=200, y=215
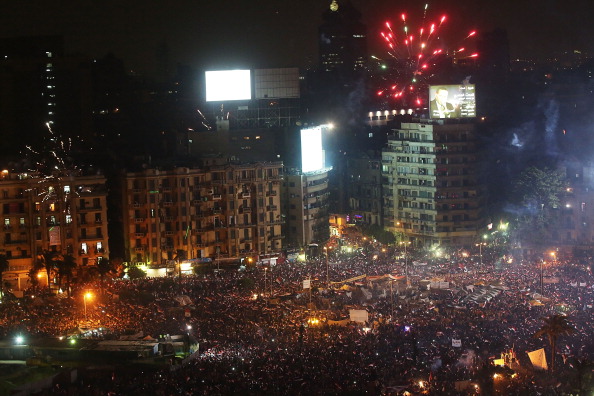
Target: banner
x=54, y=236
x=349, y=280
x=358, y=315
x=538, y=359
x=343, y=322
x=456, y=343
x=307, y=283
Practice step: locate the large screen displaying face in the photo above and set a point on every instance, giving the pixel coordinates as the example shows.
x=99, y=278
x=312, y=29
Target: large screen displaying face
x=452, y=101
x=223, y=85
x=312, y=155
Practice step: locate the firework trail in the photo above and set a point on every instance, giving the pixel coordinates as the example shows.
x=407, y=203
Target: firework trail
x=52, y=164
x=413, y=52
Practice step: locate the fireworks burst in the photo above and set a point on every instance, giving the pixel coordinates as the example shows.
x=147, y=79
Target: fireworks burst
x=52, y=164
x=414, y=54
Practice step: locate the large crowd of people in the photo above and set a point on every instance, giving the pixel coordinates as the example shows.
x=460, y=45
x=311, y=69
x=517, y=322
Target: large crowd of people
x=259, y=332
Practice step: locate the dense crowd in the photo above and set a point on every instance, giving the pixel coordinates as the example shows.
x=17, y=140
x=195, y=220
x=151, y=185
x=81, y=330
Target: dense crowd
x=255, y=334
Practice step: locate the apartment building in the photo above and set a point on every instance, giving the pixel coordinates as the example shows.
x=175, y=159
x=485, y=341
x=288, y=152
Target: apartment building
x=65, y=214
x=432, y=195
x=223, y=211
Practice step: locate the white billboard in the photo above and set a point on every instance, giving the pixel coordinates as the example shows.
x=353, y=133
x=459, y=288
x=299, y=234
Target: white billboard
x=223, y=85
x=312, y=155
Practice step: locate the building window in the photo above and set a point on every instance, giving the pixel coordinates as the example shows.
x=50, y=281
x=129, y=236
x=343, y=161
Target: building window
x=68, y=219
x=83, y=248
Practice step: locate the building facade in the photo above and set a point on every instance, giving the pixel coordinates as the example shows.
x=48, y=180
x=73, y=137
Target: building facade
x=364, y=188
x=432, y=195
x=218, y=211
x=306, y=205
x=66, y=215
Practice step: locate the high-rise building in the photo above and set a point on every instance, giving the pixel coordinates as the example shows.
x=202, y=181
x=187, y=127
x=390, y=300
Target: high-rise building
x=219, y=211
x=306, y=207
x=42, y=86
x=342, y=39
x=62, y=215
x=364, y=188
x=432, y=195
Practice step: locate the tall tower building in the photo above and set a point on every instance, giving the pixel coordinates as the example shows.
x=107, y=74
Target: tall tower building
x=342, y=39
x=432, y=195
x=39, y=86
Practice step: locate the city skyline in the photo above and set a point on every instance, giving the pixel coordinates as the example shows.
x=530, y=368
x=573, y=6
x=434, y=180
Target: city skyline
x=229, y=34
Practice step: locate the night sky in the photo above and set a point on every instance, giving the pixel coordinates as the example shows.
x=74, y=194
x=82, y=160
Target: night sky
x=267, y=33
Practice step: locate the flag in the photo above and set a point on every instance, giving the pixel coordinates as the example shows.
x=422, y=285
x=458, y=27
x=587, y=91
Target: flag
x=456, y=343
x=538, y=359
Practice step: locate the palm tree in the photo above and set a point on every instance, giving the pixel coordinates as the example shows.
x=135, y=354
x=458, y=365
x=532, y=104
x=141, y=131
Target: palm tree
x=4, y=265
x=47, y=260
x=553, y=327
x=104, y=266
x=65, y=265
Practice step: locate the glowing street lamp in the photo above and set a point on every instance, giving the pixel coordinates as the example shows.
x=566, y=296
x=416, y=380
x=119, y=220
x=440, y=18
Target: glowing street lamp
x=86, y=296
x=405, y=243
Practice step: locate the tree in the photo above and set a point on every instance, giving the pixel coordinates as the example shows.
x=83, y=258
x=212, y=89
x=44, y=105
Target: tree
x=65, y=266
x=135, y=273
x=537, y=191
x=104, y=267
x=47, y=260
x=4, y=265
x=554, y=326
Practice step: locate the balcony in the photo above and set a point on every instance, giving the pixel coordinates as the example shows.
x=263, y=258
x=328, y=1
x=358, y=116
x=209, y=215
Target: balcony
x=271, y=193
x=245, y=195
x=136, y=205
x=216, y=210
x=245, y=209
x=139, y=219
x=168, y=203
x=170, y=218
x=139, y=234
x=139, y=249
x=271, y=208
x=89, y=208
x=216, y=197
x=91, y=237
x=15, y=241
x=169, y=233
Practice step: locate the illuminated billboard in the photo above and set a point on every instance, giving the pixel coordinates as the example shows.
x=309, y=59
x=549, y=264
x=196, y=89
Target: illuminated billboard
x=223, y=85
x=312, y=155
x=452, y=101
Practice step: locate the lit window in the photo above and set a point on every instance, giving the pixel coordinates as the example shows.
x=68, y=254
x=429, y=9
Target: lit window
x=83, y=248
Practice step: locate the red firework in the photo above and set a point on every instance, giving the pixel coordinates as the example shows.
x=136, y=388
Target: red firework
x=413, y=53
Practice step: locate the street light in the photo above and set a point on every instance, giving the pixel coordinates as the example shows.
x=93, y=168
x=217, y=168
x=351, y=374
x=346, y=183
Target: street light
x=480, y=246
x=85, y=296
x=405, y=243
x=327, y=268
x=265, y=272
